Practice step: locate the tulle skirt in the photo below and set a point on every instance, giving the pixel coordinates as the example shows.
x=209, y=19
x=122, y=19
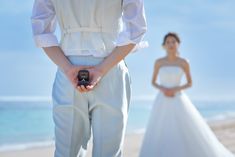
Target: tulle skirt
x=176, y=129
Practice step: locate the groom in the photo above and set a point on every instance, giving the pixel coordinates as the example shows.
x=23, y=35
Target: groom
x=90, y=40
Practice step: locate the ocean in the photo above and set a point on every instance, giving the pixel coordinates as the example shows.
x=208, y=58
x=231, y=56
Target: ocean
x=29, y=124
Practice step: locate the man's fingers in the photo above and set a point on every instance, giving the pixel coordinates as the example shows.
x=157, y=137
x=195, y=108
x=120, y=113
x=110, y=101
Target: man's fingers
x=90, y=87
x=82, y=88
x=93, y=84
x=79, y=88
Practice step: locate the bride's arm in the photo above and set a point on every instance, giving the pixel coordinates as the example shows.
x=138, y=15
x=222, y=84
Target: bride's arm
x=157, y=66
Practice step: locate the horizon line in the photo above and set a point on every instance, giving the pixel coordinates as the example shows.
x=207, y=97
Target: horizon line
x=134, y=98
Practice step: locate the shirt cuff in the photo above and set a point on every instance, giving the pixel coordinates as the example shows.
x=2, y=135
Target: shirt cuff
x=123, y=40
x=46, y=40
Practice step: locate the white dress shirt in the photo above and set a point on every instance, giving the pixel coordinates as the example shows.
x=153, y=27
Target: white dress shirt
x=134, y=25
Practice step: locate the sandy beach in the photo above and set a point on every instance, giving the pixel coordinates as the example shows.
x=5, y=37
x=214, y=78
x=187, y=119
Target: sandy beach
x=224, y=130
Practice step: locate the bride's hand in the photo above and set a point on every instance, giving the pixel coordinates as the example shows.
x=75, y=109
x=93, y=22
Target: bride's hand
x=172, y=91
x=168, y=92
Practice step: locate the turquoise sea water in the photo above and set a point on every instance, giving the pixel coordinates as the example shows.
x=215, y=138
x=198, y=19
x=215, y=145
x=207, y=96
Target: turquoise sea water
x=27, y=124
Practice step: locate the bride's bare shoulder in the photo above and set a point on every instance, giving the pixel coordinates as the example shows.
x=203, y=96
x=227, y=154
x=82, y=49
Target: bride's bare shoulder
x=159, y=62
x=184, y=63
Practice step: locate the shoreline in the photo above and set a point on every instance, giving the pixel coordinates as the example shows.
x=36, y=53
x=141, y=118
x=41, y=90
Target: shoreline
x=224, y=130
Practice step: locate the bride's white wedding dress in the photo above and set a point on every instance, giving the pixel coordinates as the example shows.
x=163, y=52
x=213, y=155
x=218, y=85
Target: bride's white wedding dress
x=176, y=128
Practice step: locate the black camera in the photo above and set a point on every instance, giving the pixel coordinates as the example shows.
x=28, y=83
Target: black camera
x=83, y=78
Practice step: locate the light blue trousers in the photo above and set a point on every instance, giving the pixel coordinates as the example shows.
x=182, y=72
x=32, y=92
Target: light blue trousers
x=103, y=110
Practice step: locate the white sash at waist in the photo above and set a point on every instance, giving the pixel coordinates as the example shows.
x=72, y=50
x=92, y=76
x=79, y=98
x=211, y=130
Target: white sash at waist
x=85, y=29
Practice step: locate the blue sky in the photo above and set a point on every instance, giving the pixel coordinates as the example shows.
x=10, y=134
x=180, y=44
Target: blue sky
x=206, y=28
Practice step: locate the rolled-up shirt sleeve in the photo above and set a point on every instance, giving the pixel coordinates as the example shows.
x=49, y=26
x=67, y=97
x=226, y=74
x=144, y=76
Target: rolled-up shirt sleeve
x=44, y=22
x=134, y=24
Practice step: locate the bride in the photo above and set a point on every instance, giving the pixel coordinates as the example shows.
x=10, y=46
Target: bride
x=175, y=127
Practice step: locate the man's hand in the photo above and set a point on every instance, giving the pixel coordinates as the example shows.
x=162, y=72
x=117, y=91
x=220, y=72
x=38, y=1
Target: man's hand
x=72, y=73
x=95, y=76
